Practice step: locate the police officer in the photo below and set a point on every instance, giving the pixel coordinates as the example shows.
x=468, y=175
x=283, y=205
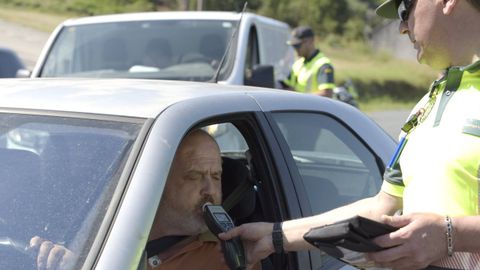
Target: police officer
x=313, y=71
x=435, y=178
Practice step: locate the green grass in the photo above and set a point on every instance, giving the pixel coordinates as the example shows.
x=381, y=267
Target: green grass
x=35, y=19
x=385, y=104
x=381, y=80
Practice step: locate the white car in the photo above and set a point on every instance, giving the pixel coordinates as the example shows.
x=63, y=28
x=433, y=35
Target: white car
x=170, y=45
x=84, y=162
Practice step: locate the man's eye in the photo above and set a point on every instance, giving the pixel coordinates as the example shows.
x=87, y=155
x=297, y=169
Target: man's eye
x=193, y=176
x=217, y=177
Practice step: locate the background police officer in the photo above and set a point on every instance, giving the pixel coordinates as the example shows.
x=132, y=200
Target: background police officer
x=313, y=71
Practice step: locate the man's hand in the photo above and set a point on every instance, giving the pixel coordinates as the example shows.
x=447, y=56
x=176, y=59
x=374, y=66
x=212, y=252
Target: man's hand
x=257, y=240
x=327, y=92
x=419, y=242
x=50, y=255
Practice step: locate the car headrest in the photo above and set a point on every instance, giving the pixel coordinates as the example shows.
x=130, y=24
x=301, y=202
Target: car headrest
x=20, y=181
x=235, y=173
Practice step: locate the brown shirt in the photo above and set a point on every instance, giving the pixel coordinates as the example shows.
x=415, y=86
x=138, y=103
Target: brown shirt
x=202, y=252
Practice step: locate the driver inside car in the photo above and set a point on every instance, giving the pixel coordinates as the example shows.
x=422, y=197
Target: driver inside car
x=194, y=179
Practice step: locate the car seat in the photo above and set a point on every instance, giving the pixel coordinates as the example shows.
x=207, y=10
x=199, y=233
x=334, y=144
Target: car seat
x=158, y=53
x=238, y=189
x=323, y=194
x=212, y=46
x=115, y=54
x=76, y=166
x=20, y=194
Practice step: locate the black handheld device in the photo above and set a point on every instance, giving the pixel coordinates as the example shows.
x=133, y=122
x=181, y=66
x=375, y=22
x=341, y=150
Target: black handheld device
x=218, y=221
x=353, y=234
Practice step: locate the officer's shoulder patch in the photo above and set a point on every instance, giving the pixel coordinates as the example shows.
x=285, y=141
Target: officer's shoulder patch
x=326, y=68
x=472, y=127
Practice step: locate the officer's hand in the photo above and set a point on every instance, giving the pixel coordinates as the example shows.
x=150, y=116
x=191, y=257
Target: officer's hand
x=257, y=240
x=50, y=255
x=419, y=242
x=324, y=93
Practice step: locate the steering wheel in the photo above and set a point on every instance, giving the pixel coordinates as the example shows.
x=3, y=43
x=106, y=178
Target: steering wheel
x=17, y=254
x=16, y=245
x=15, y=250
x=195, y=58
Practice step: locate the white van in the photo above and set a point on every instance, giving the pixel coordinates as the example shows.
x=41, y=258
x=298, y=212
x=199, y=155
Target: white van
x=170, y=45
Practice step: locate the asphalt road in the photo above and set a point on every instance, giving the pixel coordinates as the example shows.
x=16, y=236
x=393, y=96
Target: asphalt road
x=28, y=44
x=391, y=121
x=25, y=41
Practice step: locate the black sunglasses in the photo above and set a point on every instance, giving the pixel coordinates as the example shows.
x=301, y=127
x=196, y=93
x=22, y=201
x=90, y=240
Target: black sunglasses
x=297, y=45
x=404, y=9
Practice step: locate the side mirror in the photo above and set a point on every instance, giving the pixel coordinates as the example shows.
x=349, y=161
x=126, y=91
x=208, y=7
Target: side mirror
x=260, y=75
x=23, y=73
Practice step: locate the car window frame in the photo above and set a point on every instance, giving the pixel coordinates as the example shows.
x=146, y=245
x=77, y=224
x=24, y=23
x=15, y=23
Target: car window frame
x=269, y=165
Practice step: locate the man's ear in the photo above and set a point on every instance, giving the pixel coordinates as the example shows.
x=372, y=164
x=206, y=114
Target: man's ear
x=449, y=6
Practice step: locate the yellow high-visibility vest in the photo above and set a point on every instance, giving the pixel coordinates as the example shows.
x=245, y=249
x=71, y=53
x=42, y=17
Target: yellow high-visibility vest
x=304, y=75
x=439, y=168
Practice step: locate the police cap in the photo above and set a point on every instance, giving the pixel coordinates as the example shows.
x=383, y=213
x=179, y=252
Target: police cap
x=299, y=33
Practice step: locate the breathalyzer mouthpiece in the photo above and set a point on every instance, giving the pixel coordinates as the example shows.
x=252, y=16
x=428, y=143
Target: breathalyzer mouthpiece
x=205, y=205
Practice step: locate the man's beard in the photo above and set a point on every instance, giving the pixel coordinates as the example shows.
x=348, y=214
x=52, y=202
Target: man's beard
x=205, y=199
x=189, y=222
x=197, y=216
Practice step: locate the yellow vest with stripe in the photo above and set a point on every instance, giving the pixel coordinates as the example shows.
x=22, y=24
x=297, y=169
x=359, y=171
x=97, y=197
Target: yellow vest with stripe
x=304, y=75
x=439, y=167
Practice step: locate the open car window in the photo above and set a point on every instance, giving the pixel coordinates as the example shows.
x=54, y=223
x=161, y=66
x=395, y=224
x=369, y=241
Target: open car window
x=57, y=176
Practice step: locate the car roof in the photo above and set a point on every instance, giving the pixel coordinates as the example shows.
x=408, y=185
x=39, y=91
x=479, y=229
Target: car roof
x=122, y=97
x=147, y=16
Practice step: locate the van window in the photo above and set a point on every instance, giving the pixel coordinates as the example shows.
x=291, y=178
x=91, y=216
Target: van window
x=252, y=55
x=274, y=50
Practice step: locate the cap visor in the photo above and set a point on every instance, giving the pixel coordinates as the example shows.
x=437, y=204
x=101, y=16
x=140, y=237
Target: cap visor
x=294, y=42
x=387, y=10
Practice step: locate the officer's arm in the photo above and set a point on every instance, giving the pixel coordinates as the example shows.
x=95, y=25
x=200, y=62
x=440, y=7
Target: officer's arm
x=325, y=80
x=287, y=83
x=373, y=208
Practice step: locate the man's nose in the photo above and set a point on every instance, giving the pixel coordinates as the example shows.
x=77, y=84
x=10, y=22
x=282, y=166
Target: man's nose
x=208, y=185
x=403, y=27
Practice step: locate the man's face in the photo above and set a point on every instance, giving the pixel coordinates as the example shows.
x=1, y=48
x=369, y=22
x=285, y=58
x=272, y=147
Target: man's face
x=303, y=48
x=195, y=178
x=424, y=27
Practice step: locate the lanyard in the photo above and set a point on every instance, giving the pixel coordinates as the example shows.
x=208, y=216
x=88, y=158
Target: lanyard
x=453, y=77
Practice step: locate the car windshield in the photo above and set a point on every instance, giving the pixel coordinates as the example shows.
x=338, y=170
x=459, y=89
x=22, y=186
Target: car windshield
x=163, y=49
x=57, y=176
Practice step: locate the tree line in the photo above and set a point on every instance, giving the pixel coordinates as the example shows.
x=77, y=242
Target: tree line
x=344, y=19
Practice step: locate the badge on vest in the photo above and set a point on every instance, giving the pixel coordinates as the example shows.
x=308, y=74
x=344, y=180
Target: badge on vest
x=472, y=127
